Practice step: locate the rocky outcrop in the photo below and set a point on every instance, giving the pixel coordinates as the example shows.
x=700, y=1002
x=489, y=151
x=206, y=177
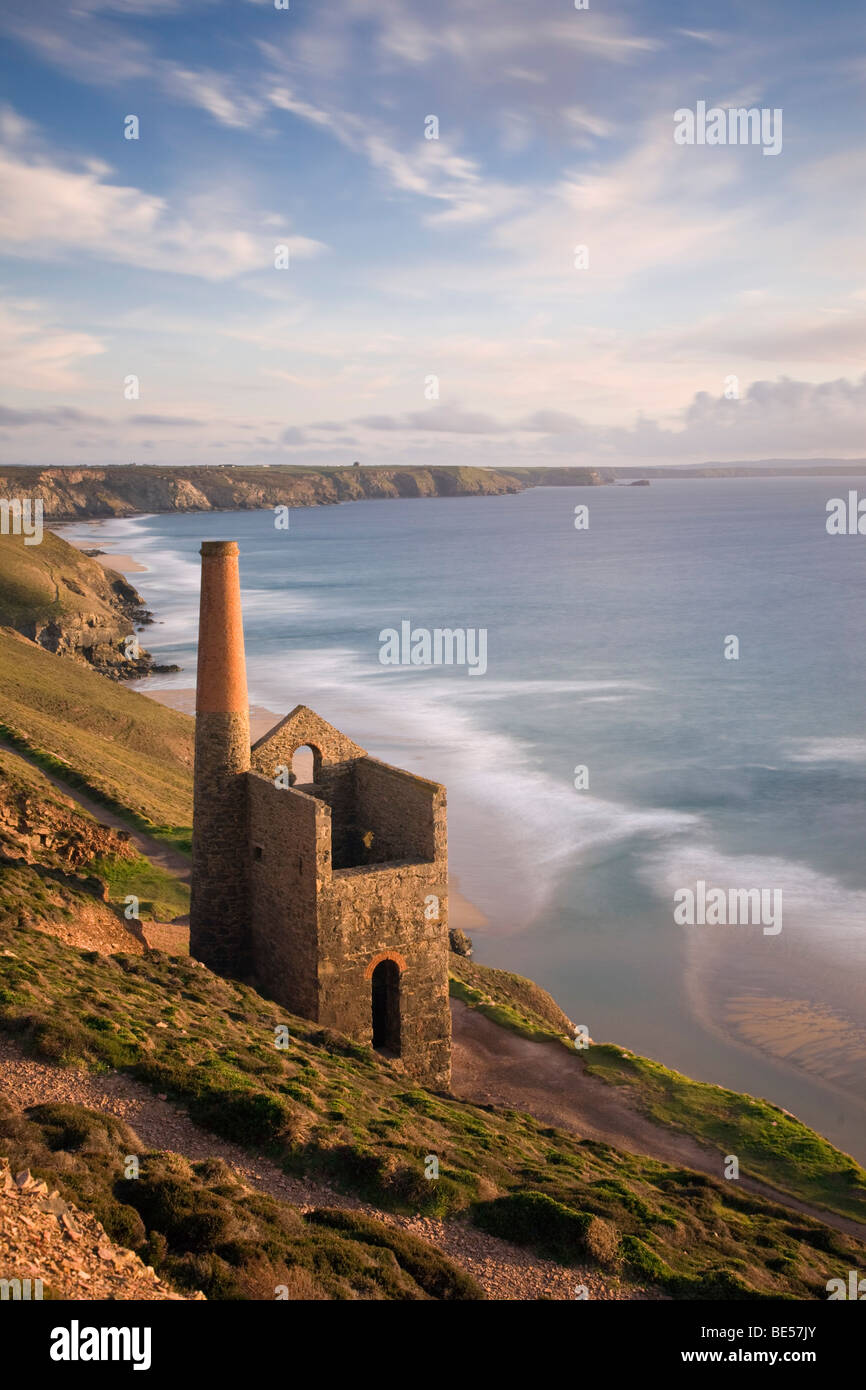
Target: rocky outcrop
x=50, y=830
x=52, y=858
x=75, y=493
x=50, y=1248
x=67, y=603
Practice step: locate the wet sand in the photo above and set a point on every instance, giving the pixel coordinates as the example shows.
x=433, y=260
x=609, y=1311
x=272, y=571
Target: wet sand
x=766, y=1008
x=108, y=559
x=121, y=564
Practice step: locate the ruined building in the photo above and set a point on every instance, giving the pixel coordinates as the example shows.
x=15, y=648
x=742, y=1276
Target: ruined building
x=331, y=896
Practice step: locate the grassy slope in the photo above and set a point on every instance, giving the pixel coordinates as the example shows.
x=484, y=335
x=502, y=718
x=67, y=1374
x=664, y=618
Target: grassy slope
x=128, y=751
x=771, y=1144
x=201, y=1228
x=137, y=755
x=51, y=581
x=330, y=1107
x=161, y=895
x=509, y=1000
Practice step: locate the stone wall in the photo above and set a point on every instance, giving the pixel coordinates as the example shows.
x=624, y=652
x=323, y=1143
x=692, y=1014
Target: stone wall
x=318, y=927
x=301, y=728
x=219, y=903
x=285, y=828
x=369, y=913
x=400, y=811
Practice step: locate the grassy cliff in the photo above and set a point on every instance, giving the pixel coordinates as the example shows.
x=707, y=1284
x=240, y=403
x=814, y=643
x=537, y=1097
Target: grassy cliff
x=330, y=1107
x=67, y=603
x=128, y=751
x=64, y=872
x=777, y=1147
x=69, y=493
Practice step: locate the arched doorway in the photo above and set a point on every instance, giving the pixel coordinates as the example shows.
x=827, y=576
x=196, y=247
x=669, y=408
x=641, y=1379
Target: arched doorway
x=385, y=982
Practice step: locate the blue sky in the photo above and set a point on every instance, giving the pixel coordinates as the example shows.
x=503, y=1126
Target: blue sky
x=413, y=258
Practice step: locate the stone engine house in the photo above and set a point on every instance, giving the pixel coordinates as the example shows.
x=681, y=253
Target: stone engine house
x=330, y=896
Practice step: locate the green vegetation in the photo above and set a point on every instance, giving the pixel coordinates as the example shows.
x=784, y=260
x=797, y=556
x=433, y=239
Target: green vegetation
x=161, y=895
x=772, y=1145
x=45, y=898
x=554, y=1230
x=57, y=857
x=201, y=1228
x=509, y=1000
x=127, y=752
x=331, y=1108
x=47, y=582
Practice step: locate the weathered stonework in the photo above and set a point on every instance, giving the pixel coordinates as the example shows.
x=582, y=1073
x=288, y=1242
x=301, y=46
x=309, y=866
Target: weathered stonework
x=330, y=896
x=219, y=901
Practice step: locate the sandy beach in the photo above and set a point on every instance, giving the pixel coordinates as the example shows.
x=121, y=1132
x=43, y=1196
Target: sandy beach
x=121, y=564
x=183, y=698
x=108, y=559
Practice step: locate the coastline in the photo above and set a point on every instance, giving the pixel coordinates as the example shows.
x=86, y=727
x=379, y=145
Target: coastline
x=121, y=564
x=742, y=1031
x=108, y=559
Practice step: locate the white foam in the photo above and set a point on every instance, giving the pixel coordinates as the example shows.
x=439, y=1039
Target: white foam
x=819, y=911
x=827, y=750
x=513, y=828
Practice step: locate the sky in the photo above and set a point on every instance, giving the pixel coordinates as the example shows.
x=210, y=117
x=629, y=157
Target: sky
x=351, y=230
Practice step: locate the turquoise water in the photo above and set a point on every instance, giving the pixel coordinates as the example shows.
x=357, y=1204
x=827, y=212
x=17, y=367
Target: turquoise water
x=604, y=649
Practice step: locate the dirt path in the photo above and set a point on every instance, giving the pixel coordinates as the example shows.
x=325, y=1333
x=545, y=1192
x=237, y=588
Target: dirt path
x=171, y=860
x=493, y=1066
x=504, y=1271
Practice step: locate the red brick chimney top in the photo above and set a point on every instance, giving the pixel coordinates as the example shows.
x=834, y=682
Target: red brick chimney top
x=222, y=676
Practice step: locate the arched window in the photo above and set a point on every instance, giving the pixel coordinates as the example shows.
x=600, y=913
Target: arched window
x=306, y=765
x=385, y=982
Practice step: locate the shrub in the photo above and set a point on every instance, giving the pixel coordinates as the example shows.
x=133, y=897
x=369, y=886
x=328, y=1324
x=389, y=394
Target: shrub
x=533, y=1219
x=437, y=1276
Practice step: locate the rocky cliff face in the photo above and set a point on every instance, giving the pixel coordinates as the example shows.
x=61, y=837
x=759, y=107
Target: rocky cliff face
x=68, y=604
x=73, y=493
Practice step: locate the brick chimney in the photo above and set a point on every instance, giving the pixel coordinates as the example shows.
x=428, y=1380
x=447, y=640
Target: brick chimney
x=219, y=909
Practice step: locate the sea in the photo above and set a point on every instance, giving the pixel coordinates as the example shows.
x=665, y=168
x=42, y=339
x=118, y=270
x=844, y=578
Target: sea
x=673, y=694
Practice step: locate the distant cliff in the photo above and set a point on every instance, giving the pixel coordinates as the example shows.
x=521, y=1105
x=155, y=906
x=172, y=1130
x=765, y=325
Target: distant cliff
x=72, y=493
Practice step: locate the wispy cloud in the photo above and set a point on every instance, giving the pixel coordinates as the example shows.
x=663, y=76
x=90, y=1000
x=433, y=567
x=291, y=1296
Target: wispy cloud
x=38, y=354
x=56, y=211
x=451, y=257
